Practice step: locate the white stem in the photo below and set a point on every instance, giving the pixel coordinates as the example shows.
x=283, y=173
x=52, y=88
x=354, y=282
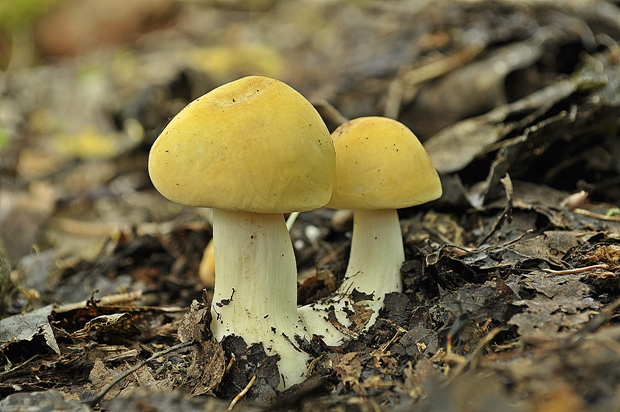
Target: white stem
x=255, y=293
x=377, y=254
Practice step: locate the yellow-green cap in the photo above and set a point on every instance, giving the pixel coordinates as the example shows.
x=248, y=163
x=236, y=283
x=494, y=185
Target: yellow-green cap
x=253, y=145
x=381, y=164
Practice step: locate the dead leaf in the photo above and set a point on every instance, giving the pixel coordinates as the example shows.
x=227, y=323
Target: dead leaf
x=348, y=367
x=144, y=379
x=558, y=305
x=100, y=376
x=18, y=330
x=208, y=363
x=108, y=328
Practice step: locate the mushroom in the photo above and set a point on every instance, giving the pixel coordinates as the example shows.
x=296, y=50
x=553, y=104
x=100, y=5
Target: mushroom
x=206, y=269
x=381, y=166
x=251, y=149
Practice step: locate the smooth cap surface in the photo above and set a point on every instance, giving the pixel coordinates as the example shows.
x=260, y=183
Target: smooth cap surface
x=381, y=164
x=253, y=145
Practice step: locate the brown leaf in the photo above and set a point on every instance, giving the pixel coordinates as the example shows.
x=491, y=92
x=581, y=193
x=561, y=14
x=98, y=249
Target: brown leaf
x=206, y=369
x=34, y=327
x=105, y=326
x=348, y=367
x=558, y=305
x=208, y=363
x=100, y=376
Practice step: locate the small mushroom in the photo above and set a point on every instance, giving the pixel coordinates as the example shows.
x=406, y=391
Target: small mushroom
x=381, y=166
x=251, y=149
x=206, y=270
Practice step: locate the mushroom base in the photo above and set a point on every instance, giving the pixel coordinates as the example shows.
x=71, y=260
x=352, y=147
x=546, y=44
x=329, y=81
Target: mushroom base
x=377, y=254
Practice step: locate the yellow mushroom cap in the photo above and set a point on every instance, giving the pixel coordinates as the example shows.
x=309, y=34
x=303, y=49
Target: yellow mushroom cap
x=381, y=164
x=253, y=145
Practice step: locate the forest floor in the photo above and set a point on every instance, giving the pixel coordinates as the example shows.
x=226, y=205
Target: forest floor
x=511, y=278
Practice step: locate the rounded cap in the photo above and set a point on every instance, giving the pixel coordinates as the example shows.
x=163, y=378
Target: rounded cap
x=253, y=145
x=381, y=164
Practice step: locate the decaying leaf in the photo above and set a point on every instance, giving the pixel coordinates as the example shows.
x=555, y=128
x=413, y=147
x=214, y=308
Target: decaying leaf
x=108, y=327
x=22, y=336
x=536, y=128
x=348, y=367
x=477, y=88
x=208, y=364
x=478, y=134
x=100, y=376
x=558, y=304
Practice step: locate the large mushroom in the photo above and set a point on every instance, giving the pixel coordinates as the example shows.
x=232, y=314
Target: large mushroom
x=251, y=149
x=381, y=166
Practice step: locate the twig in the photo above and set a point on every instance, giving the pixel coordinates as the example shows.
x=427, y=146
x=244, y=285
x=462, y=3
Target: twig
x=399, y=332
x=104, y=301
x=596, y=215
x=92, y=402
x=14, y=368
x=242, y=393
x=118, y=299
x=329, y=112
x=507, y=213
x=576, y=270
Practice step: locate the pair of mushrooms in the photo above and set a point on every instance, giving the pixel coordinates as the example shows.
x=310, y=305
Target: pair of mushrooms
x=254, y=149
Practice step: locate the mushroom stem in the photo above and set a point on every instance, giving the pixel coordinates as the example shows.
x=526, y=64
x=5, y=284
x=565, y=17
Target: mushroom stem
x=377, y=254
x=255, y=294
